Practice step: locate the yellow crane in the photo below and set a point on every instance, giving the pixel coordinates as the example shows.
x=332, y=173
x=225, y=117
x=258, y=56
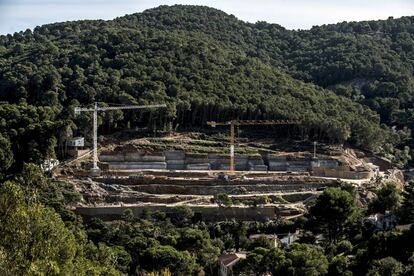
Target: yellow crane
x=234, y=123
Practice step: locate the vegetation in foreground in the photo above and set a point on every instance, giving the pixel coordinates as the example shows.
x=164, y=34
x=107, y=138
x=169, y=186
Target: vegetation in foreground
x=42, y=237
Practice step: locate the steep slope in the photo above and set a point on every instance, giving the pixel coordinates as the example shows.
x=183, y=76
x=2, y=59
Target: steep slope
x=204, y=64
x=370, y=62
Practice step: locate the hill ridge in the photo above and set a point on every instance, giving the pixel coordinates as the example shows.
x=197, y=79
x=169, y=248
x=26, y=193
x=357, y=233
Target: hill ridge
x=261, y=71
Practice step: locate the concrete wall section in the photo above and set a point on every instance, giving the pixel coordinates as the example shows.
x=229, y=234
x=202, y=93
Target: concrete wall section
x=197, y=167
x=174, y=155
x=137, y=165
x=254, y=161
x=112, y=157
x=153, y=158
x=253, y=167
x=298, y=165
x=346, y=174
x=192, y=160
x=176, y=164
x=277, y=165
x=327, y=163
x=133, y=156
x=180, y=160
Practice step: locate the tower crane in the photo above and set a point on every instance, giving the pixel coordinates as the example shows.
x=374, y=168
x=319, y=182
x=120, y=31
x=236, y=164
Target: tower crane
x=95, y=109
x=233, y=123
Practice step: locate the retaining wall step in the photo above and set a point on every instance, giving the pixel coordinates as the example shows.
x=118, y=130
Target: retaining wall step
x=109, y=158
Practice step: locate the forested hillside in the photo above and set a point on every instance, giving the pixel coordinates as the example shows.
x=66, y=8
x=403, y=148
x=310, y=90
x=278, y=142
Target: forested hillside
x=370, y=62
x=206, y=65
x=347, y=83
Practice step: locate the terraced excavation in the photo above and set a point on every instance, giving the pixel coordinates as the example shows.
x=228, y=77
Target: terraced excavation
x=184, y=169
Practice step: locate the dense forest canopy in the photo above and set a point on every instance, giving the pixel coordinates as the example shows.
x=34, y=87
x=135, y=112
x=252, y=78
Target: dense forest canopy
x=347, y=83
x=350, y=82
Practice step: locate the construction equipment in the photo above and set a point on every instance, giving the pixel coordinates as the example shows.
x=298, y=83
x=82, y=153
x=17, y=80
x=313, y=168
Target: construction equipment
x=95, y=169
x=234, y=123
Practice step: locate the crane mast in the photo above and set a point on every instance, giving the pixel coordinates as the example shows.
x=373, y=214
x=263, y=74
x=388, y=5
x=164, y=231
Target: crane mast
x=95, y=109
x=234, y=123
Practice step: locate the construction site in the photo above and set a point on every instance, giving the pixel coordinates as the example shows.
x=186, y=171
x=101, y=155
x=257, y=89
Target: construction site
x=219, y=176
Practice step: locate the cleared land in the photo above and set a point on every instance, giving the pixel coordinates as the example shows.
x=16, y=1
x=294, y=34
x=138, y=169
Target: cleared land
x=273, y=180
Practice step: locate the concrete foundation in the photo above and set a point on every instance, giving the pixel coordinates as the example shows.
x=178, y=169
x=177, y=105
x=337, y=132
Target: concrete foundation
x=342, y=173
x=198, y=167
x=179, y=160
x=137, y=165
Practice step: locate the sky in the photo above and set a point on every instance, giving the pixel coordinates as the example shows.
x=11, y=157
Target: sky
x=19, y=15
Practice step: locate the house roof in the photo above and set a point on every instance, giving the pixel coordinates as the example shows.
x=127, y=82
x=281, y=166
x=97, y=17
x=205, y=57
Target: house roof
x=404, y=227
x=229, y=260
x=269, y=236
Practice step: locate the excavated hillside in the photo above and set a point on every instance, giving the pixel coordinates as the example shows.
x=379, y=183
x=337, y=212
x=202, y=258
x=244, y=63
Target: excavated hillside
x=192, y=169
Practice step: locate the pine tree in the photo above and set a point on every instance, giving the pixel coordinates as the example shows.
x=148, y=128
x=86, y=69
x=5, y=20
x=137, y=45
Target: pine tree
x=407, y=208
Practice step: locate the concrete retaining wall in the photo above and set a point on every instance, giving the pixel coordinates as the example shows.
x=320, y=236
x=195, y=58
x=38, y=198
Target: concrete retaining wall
x=383, y=163
x=133, y=156
x=174, y=155
x=238, y=167
x=253, y=167
x=153, y=158
x=275, y=165
x=190, y=160
x=112, y=158
x=198, y=167
x=179, y=160
x=137, y=166
x=176, y=162
x=327, y=163
x=299, y=166
x=175, y=159
x=338, y=173
x=256, y=161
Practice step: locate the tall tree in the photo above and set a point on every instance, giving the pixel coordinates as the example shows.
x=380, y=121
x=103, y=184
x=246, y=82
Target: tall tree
x=388, y=199
x=407, y=208
x=35, y=241
x=306, y=260
x=6, y=156
x=334, y=211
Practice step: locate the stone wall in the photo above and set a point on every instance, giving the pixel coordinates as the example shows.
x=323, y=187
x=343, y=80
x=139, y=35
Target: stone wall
x=137, y=165
x=288, y=163
x=175, y=160
x=383, y=163
x=342, y=172
x=180, y=160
